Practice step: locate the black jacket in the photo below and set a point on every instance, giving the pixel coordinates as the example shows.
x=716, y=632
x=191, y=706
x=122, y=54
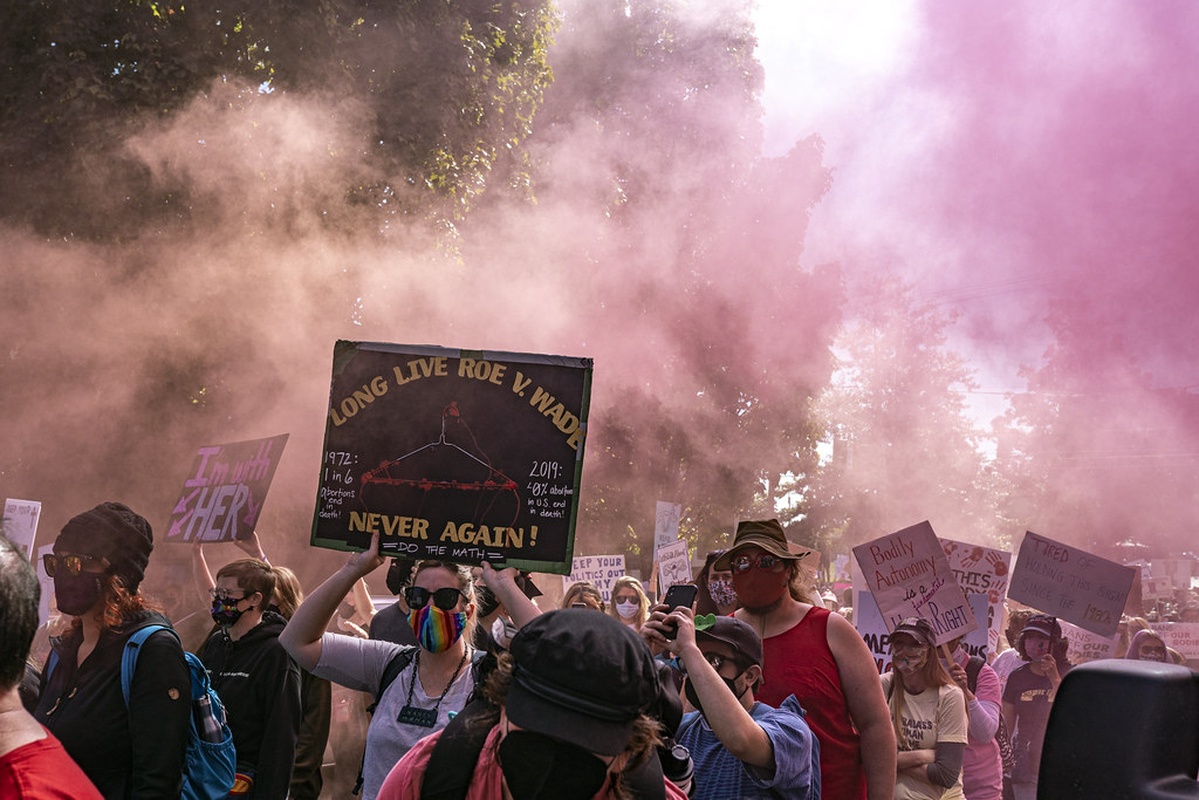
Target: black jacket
x=127, y=753
x=260, y=687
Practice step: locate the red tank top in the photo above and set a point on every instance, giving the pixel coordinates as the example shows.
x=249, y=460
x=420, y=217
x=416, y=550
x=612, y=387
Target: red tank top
x=799, y=662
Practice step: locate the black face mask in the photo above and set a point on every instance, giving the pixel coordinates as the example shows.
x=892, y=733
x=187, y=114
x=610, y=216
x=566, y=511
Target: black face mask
x=77, y=594
x=537, y=767
x=693, y=698
x=485, y=601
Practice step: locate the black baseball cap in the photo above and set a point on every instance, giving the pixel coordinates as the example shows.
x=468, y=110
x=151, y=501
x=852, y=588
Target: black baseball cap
x=580, y=677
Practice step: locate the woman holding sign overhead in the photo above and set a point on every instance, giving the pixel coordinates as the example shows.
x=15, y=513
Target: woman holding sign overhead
x=416, y=688
x=928, y=713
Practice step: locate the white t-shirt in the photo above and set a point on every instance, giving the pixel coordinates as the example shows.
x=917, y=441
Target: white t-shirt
x=934, y=715
x=359, y=664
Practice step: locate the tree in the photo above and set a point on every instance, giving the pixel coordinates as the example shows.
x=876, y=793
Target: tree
x=448, y=92
x=1093, y=453
x=904, y=449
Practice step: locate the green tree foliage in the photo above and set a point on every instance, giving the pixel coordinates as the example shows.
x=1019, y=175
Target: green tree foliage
x=451, y=90
x=903, y=448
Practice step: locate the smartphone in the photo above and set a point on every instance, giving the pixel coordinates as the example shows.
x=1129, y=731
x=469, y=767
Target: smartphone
x=681, y=594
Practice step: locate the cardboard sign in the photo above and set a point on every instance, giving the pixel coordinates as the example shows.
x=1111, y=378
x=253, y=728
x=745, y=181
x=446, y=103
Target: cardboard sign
x=674, y=565
x=1087, y=646
x=909, y=576
x=874, y=632
x=1157, y=588
x=47, y=584
x=223, y=497
x=981, y=571
x=20, y=523
x=459, y=455
x=1182, y=636
x=1070, y=584
x=599, y=570
x=666, y=524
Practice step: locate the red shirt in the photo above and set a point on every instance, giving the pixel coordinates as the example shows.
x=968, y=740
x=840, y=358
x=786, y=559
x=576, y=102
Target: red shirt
x=42, y=770
x=799, y=662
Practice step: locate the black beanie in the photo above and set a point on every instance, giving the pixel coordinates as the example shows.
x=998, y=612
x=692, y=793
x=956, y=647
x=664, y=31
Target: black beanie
x=113, y=531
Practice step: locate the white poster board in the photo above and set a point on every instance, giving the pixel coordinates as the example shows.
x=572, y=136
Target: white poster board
x=674, y=565
x=909, y=576
x=666, y=524
x=1070, y=584
x=20, y=523
x=1182, y=636
x=1086, y=646
x=599, y=570
x=981, y=571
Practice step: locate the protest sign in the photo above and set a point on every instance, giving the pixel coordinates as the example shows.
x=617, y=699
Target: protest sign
x=981, y=571
x=458, y=455
x=1182, y=636
x=666, y=524
x=909, y=576
x=874, y=631
x=602, y=571
x=1160, y=588
x=1083, y=645
x=1070, y=584
x=674, y=565
x=20, y=523
x=222, y=499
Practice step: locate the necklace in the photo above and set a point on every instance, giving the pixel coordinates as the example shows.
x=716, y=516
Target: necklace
x=427, y=717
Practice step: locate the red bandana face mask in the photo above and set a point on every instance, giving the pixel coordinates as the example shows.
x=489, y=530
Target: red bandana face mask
x=758, y=589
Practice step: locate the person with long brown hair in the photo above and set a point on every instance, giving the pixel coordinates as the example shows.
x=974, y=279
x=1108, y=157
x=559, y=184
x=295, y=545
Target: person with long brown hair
x=128, y=750
x=928, y=713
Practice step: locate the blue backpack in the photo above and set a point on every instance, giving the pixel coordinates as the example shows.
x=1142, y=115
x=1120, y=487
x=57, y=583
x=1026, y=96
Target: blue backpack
x=210, y=763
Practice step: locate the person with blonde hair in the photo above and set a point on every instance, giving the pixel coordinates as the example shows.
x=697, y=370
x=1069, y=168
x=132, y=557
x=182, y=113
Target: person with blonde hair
x=584, y=594
x=928, y=714
x=629, y=603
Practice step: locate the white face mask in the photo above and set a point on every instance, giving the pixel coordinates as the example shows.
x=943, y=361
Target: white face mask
x=627, y=610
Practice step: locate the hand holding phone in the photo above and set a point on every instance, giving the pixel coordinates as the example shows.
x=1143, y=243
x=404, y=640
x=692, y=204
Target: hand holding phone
x=679, y=595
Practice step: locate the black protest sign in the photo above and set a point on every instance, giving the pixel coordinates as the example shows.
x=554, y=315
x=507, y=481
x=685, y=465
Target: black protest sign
x=458, y=455
x=223, y=496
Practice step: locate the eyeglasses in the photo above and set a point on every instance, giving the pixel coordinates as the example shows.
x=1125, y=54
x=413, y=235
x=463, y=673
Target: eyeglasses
x=418, y=597
x=71, y=564
x=764, y=561
x=225, y=597
x=715, y=659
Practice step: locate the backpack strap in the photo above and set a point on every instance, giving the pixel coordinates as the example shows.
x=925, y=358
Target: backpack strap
x=973, y=667
x=129, y=657
x=452, y=759
x=398, y=663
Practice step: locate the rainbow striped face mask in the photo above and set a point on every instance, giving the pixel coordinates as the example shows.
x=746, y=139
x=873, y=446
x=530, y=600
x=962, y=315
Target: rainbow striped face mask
x=435, y=629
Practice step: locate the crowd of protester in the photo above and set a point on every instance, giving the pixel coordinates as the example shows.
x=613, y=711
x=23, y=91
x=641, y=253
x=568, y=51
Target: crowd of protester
x=466, y=687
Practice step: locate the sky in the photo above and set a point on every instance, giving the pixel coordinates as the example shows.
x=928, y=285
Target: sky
x=1008, y=159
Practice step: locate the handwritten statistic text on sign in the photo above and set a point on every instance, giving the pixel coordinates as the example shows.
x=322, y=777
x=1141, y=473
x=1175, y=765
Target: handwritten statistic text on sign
x=1070, y=583
x=459, y=455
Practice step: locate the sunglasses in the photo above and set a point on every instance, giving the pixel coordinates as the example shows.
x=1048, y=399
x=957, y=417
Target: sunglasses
x=764, y=561
x=71, y=565
x=446, y=599
x=715, y=659
x=225, y=597
x=907, y=647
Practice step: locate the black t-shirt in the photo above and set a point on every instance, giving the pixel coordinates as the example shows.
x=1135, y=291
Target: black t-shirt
x=1031, y=695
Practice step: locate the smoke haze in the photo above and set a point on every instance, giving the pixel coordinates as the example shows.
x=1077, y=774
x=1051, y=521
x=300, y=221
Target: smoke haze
x=1028, y=168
